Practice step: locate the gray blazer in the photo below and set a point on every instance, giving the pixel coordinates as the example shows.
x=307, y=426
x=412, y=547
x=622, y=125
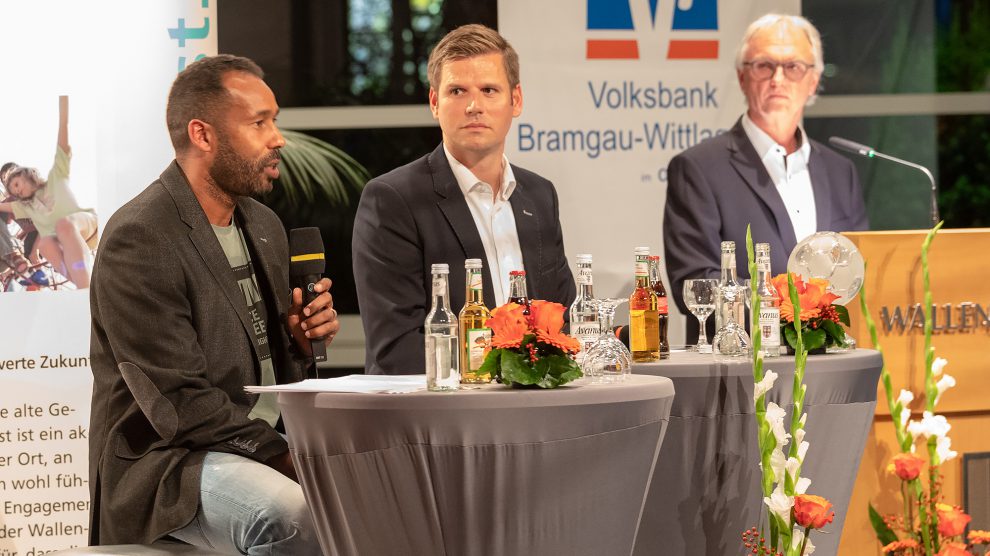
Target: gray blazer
x=171, y=351
x=415, y=216
x=717, y=187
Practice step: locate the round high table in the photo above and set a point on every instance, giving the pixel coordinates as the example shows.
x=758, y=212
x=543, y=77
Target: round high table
x=706, y=485
x=491, y=470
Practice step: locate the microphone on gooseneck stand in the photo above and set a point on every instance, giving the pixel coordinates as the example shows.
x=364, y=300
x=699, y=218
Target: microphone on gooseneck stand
x=863, y=150
x=306, y=265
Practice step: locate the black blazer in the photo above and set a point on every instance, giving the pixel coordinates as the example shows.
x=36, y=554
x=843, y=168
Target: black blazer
x=171, y=351
x=416, y=216
x=717, y=187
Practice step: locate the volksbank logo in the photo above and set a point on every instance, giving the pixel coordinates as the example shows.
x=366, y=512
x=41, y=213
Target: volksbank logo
x=691, y=18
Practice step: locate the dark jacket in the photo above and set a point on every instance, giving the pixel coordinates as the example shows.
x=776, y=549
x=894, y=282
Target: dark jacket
x=171, y=352
x=416, y=216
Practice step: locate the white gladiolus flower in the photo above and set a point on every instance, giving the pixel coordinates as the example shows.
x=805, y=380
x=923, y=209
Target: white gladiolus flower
x=938, y=365
x=780, y=504
x=803, y=420
x=801, y=487
x=777, y=463
x=944, y=452
x=944, y=384
x=930, y=425
x=792, y=466
x=775, y=418
x=764, y=386
x=802, y=449
x=905, y=398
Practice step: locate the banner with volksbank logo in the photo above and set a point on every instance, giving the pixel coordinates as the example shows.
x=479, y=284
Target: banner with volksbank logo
x=83, y=107
x=612, y=90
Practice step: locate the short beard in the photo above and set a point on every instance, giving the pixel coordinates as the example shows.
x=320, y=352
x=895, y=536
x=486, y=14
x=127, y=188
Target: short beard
x=238, y=176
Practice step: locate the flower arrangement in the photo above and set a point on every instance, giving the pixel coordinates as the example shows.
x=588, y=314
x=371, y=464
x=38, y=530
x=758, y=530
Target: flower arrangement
x=821, y=320
x=531, y=350
x=926, y=525
x=792, y=512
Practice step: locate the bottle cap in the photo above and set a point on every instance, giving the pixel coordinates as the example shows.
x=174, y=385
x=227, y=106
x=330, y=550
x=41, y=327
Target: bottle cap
x=441, y=268
x=472, y=263
x=642, y=250
x=517, y=273
x=584, y=258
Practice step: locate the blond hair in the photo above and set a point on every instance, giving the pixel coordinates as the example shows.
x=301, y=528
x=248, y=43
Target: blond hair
x=468, y=41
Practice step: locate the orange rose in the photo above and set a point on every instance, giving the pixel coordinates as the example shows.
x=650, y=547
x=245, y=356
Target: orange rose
x=907, y=466
x=954, y=549
x=952, y=520
x=509, y=326
x=546, y=316
x=812, y=511
x=547, y=319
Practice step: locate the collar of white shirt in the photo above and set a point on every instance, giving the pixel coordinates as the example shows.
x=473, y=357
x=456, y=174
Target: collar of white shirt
x=767, y=148
x=467, y=181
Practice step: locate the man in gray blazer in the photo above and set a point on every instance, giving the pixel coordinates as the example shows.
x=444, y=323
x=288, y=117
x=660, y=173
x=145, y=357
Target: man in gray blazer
x=765, y=171
x=462, y=201
x=191, y=303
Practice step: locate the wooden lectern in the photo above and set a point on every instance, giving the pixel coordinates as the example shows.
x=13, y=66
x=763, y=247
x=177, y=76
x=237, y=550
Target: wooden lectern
x=959, y=262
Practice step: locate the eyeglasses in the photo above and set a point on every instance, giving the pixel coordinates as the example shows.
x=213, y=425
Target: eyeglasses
x=765, y=69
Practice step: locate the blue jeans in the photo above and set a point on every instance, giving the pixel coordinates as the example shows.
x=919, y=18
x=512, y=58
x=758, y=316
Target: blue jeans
x=246, y=507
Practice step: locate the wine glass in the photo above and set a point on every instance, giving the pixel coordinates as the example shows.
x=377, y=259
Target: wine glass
x=699, y=296
x=608, y=359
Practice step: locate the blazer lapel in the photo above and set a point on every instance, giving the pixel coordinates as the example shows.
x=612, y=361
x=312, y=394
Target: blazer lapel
x=451, y=202
x=820, y=185
x=205, y=240
x=747, y=163
x=530, y=242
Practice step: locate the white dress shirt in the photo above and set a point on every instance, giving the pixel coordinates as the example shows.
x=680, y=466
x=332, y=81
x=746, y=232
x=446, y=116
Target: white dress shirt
x=495, y=222
x=789, y=173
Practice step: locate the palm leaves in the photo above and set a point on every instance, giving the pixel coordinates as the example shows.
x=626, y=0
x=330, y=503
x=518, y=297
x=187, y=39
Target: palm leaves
x=313, y=168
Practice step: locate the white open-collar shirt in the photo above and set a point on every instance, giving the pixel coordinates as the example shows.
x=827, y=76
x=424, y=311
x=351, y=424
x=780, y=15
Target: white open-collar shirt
x=790, y=175
x=495, y=222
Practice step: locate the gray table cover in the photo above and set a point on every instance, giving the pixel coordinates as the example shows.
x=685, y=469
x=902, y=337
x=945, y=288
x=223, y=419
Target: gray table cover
x=493, y=470
x=706, y=486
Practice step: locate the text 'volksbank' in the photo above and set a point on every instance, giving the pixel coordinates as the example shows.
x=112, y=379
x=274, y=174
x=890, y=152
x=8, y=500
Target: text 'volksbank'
x=629, y=96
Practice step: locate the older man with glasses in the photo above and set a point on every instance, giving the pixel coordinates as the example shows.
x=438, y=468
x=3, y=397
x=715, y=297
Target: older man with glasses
x=765, y=171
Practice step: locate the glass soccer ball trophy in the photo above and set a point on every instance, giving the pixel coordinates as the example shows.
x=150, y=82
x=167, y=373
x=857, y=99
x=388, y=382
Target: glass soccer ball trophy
x=831, y=256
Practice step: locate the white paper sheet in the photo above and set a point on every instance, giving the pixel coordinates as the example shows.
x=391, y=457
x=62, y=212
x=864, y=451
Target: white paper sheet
x=363, y=384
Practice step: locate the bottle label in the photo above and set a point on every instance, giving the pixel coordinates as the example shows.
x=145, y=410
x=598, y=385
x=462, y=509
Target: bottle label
x=642, y=269
x=476, y=283
x=770, y=326
x=586, y=333
x=438, y=287
x=584, y=277
x=763, y=263
x=661, y=305
x=479, y=341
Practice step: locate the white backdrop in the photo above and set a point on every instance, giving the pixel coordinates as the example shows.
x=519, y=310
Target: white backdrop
x=115, y=59
x=603, y=130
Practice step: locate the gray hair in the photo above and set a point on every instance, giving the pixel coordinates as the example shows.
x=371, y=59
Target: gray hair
x=772, y=19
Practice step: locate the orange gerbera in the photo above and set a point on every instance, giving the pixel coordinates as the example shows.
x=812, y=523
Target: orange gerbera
x=547, y=319
x=813, y=295
x=509, y=326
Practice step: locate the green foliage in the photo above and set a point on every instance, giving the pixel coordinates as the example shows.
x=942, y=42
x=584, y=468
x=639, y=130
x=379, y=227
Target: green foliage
x=313, y=169
x=552, y=368
x=884, y=533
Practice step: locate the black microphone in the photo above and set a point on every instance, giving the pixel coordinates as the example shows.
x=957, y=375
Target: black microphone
x=869, y=152
x=306, y=265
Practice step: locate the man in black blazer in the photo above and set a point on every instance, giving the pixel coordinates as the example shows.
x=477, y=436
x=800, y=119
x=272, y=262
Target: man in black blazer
x=765, y=171
x=462, y=201
x=191, y=303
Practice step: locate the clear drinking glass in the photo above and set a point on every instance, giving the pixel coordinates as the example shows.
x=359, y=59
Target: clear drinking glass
x=700, y=295
x=608, y=359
